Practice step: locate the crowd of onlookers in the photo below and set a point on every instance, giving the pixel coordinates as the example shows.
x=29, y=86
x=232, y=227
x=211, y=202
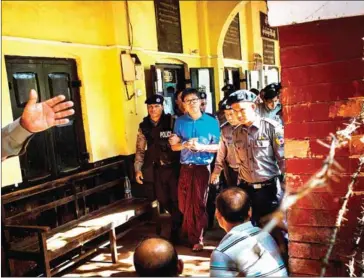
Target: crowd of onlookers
x=236, y=154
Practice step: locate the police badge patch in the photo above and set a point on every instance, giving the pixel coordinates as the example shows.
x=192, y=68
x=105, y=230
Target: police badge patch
x=279, y=139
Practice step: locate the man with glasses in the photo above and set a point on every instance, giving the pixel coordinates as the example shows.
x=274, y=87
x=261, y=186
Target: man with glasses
x=197, y=137
x=259, y=149
x=271, y=106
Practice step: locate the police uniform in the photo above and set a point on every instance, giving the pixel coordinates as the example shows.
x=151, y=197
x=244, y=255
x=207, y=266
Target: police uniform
x=274, y=114
x=225, y=158
x=227, y=89
x=259, y=151
x=272, y=90
x=154, y=152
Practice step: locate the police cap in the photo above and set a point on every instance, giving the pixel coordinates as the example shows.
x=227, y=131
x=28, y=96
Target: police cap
x=241, y=95
x=155, y=99
x=271, y=91
x=224, y=105
x=228, y=88
x=203, y=95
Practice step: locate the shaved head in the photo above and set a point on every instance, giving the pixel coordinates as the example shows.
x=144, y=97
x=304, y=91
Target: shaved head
x=156, y=257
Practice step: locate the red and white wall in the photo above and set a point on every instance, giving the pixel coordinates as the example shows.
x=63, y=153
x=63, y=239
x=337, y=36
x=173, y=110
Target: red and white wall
x=323, y=79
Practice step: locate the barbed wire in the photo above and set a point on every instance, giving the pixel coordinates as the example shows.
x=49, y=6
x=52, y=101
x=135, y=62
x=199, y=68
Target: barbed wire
x=329, y=172
x=340, y=218
x=359, y=232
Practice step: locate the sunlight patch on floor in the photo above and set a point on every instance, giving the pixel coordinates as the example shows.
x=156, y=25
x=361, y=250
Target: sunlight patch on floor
x=195, y=264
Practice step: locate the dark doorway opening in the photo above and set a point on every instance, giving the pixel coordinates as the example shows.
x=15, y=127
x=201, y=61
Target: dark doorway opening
x=168, y=78
x=232, y=77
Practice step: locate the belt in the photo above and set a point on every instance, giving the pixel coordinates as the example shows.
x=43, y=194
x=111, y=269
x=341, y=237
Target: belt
x=162, y=164
x=259, y=185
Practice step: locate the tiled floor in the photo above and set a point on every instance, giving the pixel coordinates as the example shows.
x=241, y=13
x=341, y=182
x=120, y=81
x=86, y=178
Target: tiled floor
x=195, y=264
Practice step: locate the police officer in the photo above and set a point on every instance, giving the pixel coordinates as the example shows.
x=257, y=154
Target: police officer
x=270, y=106
x=259, y=149
x=203, y=98
x=227, y=90
x=154, y=151
x=225, y=159
x=260, y=154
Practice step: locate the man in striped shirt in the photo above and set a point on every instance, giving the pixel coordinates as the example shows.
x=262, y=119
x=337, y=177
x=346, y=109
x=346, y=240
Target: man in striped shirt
x=245, y=250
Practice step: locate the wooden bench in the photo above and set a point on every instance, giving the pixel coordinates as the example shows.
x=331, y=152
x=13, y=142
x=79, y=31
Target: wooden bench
x=47, y=221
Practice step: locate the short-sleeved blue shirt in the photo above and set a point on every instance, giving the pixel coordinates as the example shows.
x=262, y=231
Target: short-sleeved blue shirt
x=205, y=129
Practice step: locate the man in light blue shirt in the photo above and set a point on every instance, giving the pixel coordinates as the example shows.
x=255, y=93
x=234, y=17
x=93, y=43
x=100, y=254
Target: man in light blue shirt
x=245, y=250
x=197, y=137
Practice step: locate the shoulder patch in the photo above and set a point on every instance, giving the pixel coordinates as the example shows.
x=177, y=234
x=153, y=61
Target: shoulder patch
x=279, y=140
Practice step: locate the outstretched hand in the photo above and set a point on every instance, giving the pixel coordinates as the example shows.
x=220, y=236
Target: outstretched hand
x=38, y=117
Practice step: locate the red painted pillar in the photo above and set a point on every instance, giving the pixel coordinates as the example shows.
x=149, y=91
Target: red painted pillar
x=323, y=80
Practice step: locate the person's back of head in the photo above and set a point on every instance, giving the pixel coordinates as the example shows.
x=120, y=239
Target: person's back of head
x=249, y=255
x=233, y=205
x=156, y=257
